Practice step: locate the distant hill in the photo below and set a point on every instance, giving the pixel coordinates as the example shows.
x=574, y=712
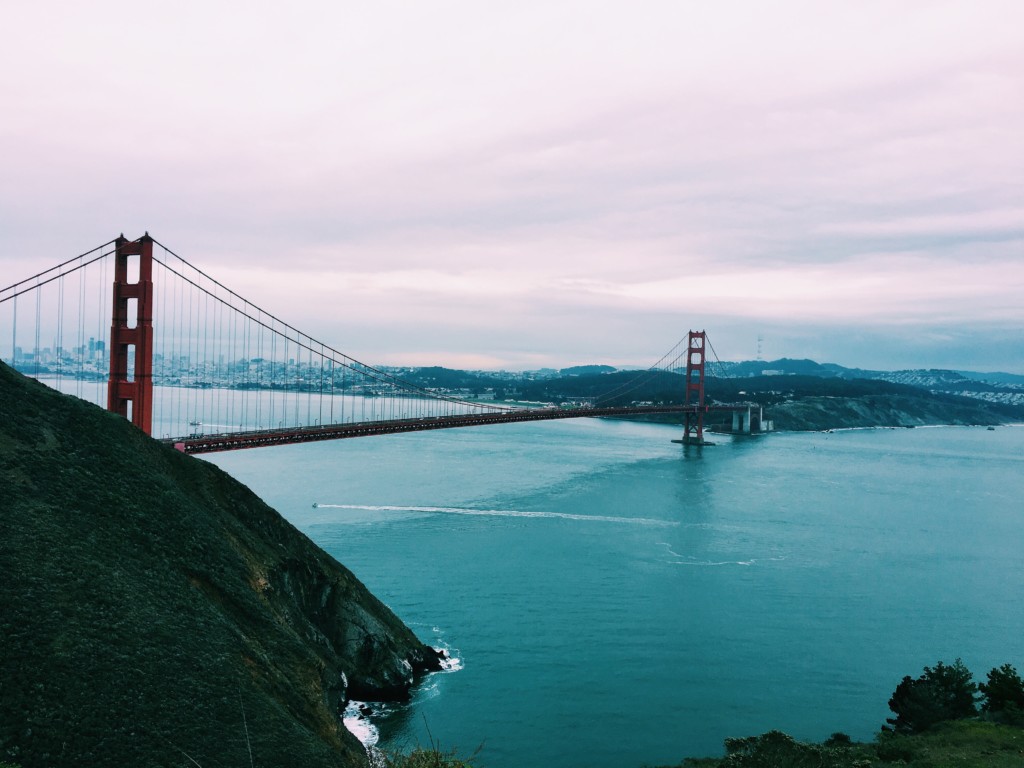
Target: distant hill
x=447, y=378
x=997, y=388
x=800, y=393
x=783, y=367
x=811, y=402
x=154, y=611
x=793, y=402
x=995, y=377
x=586, y=370
x=585, y=382
x=616, y=388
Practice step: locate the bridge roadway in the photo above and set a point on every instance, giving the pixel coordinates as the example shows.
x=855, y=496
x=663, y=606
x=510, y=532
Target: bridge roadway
x=258, y=438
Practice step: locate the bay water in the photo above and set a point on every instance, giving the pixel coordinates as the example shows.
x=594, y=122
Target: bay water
x=614, y=599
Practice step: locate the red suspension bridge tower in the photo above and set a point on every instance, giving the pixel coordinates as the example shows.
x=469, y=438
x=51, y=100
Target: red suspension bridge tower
x=693, y=430
x=130, y=391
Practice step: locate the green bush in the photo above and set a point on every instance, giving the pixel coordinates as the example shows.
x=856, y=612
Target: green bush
x=433, y=757
x=775, y=748
x=1004, y=694
x=943, y=692
x=895, y=749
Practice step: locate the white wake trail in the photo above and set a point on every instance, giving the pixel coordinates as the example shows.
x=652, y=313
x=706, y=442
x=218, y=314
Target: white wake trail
x=500, y=513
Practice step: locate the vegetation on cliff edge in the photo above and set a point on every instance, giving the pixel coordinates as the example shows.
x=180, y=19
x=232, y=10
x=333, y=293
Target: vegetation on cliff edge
x=936, y=725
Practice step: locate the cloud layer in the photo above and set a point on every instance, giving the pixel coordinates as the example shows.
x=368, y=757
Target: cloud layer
x=547, y=183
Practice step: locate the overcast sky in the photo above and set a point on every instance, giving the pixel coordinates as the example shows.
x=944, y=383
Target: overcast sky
x=485, y=184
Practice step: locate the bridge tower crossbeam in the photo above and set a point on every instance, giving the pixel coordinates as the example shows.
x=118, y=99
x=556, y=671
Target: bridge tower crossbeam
x=130, y=391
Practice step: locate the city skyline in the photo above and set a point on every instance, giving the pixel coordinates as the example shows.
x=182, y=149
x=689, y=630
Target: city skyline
x=546, y=185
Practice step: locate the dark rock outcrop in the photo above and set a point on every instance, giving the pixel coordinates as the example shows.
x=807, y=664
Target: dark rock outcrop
x=155, y=611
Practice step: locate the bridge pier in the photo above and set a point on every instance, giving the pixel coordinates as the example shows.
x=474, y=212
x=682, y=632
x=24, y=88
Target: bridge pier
x=743, y=423
x=737, y=421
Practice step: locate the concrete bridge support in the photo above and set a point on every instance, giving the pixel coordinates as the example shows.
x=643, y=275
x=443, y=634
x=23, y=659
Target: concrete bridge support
x=743, y=423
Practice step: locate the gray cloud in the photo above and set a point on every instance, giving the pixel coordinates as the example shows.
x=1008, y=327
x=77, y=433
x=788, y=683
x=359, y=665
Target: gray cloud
x=551, y=182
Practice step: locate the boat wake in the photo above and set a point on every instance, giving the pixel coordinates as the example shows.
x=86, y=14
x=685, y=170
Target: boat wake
x=692, y=561
x=500, y=513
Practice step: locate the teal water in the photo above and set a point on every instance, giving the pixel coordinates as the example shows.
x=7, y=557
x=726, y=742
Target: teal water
x=617, y=600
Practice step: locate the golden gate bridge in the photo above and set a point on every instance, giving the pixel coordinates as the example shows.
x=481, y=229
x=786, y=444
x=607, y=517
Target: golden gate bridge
x=133, y=325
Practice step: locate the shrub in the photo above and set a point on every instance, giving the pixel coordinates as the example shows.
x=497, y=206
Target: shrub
x=894, y=749
x=838, y=739
x=433, y=757
x=943, y=692
x=775, y=748
x=1004, y=694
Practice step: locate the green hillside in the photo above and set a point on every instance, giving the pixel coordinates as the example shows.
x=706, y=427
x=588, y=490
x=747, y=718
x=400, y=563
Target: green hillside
x=155, y=612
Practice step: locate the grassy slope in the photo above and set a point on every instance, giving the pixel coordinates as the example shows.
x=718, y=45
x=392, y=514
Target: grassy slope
x=149, y=599
x=956, y=744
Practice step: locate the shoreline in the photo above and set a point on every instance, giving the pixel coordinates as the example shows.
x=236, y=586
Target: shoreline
x=358, y=716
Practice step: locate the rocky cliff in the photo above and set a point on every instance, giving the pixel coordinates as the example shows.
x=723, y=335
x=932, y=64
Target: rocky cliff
x=155, y=612
x=817, y=413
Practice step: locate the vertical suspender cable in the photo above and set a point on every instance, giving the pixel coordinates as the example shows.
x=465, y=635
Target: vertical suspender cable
x=256, y=350
x=246, y=326
x=298, y=381
x=205, y=391
x=242, y=378
x=285, y=382
x=81, y=332
x=218, y=331
x=273, y=376
x=212, y=363
x=14, y=333
x=344, y=389
x=189, y=410
x=39, y=309
x=165, y=278
x=228, y=319
x=59, y=341
x=179, y=323
x=102, y=328
x=347, y=403
x=229, y=368
x=304, y=384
